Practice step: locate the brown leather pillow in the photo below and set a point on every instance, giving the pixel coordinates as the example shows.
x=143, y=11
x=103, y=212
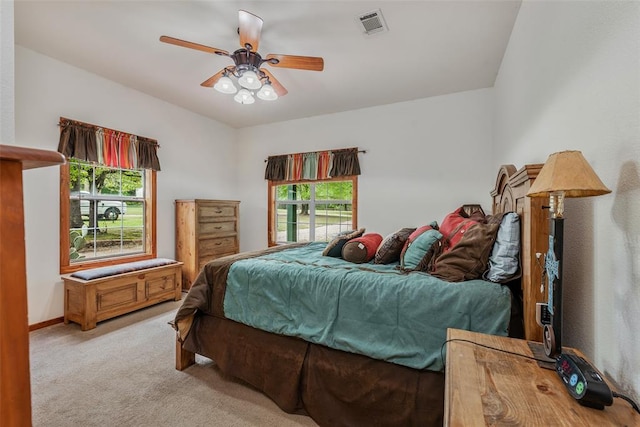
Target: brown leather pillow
x=468, y=259
x=391, y=246
x=334, y=248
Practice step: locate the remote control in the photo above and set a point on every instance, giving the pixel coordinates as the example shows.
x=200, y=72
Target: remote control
x=583, y=382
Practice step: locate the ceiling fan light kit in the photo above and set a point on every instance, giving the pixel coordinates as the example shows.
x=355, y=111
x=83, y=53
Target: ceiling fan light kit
x=248, y=80
x=248, y=64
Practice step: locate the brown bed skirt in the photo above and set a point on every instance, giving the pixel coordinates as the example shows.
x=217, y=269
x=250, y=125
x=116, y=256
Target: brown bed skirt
x=335, y=388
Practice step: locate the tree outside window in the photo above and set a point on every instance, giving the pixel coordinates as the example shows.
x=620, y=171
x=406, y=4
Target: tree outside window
x=311, y=210
x=106, y=215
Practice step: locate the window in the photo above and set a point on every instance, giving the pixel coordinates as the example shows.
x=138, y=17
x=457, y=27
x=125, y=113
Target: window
x=107, y=215
x=309, y=211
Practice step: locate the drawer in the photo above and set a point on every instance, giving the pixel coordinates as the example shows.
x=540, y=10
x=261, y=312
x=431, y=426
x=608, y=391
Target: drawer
x=205, y=260
x=159, y=286
x=116, y=296
x=211, y=212
x=217, y=227
x=217, y=247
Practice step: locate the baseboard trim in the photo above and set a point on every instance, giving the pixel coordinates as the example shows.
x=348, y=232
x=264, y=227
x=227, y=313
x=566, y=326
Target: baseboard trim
x=46, y=323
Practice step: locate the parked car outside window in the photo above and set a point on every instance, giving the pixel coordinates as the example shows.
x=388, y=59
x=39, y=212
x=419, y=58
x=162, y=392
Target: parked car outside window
x=107, y=209
x=106, y=215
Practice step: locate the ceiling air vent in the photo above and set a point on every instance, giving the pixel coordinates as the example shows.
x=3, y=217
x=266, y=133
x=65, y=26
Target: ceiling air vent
x=372, y=22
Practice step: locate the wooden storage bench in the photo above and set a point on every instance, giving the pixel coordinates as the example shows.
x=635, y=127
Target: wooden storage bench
x=91, y=296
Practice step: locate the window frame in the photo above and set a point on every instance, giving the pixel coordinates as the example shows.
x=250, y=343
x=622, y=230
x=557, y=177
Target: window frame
x=271, y=200
x=150, y=193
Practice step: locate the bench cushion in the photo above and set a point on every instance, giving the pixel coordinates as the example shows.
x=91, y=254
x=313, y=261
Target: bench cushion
x=96, y=273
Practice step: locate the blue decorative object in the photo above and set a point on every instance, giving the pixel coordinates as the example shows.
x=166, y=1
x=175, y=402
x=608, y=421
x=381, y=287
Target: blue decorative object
x=551, y=265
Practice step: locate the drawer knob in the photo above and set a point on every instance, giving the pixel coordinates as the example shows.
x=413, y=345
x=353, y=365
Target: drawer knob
x=218, y=227
x=218, y=211
x=218, y=243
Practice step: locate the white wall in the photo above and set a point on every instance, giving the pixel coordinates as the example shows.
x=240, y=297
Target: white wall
x=571, y=80
x=196, y=155
x=7, y=132
x=424, y=159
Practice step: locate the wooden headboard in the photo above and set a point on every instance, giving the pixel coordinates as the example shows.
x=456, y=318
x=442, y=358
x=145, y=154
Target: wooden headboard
x=509, y=195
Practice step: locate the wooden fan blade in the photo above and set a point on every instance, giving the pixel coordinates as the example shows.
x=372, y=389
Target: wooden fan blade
x=249, y=29
x=312, y=63
x=213, y=79
x=275, y=84
x=191, y=45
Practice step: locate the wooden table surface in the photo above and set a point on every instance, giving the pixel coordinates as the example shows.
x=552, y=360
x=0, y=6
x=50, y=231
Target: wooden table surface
x=489, y=387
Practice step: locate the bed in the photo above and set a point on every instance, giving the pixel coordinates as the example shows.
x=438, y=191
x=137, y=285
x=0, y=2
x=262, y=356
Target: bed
x=351, y=359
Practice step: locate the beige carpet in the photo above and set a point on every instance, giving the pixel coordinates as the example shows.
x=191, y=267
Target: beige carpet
x=122, y=374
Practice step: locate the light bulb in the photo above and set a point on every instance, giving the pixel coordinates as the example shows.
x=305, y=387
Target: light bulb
x=266, y=93
x=225, y=85
x=244, y=97
x=250, y=80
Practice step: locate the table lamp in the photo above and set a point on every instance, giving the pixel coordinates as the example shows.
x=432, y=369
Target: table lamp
x=564, y=174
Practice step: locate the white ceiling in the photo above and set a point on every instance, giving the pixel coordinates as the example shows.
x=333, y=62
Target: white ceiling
x=431, y=48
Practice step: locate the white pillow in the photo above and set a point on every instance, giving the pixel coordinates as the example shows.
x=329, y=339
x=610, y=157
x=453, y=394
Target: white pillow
x=504, y=262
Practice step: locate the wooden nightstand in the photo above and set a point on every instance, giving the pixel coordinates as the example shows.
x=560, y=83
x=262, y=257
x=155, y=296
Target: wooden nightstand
x=488, y=387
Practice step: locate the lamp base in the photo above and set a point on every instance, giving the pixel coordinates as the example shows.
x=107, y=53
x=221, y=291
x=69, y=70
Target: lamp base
x=552, y=332
x=537, y=350
x=549, y=342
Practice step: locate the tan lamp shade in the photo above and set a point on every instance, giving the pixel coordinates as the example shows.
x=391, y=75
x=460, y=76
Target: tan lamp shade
x=568, y=172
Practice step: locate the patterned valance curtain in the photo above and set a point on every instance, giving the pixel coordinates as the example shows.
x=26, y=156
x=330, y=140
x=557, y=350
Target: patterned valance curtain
x=107, y=147
x=313, y=165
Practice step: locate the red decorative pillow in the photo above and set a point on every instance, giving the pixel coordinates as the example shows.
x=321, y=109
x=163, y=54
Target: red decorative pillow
x=413, y=236
x=361, y=249
x=456, y=224
x=334, y=248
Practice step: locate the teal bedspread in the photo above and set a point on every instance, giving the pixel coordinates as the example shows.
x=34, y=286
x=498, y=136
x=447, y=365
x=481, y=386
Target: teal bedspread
x=370, y=309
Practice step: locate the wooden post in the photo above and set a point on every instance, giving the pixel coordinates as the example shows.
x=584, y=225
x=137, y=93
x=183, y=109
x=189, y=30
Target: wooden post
x=15, y=385
x=184, y=358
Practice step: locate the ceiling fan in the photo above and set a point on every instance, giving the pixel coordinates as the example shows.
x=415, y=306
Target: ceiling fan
x=248, y=63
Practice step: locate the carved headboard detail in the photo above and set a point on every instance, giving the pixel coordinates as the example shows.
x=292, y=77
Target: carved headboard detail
x=509, y=195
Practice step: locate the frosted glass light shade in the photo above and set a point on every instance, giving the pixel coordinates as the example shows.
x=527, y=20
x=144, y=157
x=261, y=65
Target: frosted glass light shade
x=225, y=85
x=266, y=93
x=250, y=80
x=244, y=97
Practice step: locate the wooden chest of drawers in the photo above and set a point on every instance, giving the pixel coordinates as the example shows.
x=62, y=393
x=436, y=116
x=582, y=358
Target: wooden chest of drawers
x=205, y=230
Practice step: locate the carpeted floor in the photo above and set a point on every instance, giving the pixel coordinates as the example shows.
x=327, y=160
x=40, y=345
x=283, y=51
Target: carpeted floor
x=122, y=374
